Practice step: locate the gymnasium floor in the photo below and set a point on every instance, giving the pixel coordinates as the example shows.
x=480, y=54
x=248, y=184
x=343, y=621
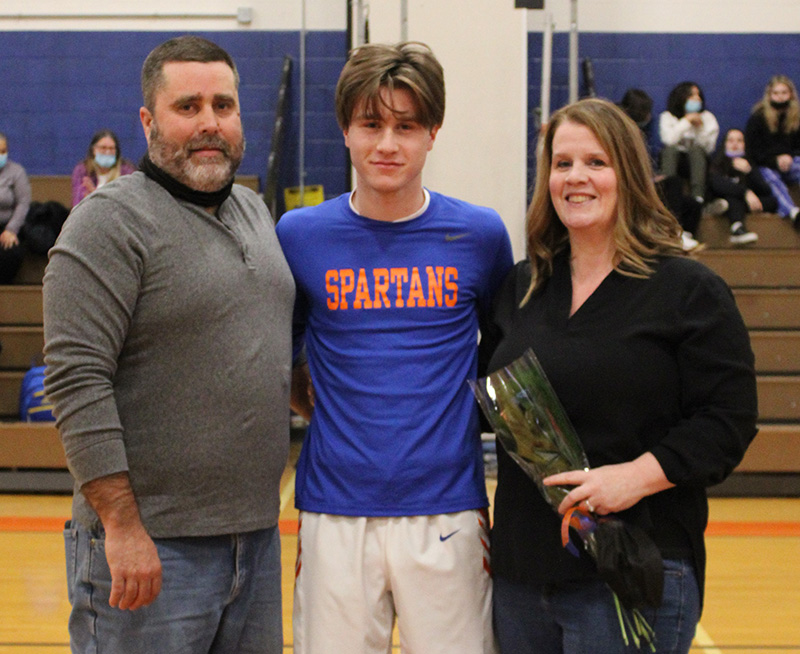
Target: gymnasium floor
x=752, y=595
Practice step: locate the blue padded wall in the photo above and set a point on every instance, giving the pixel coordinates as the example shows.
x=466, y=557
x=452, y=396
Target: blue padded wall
x=732, y=69
x=58, y=88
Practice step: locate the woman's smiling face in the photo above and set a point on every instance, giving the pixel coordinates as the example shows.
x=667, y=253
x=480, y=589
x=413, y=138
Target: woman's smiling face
x=583, y=182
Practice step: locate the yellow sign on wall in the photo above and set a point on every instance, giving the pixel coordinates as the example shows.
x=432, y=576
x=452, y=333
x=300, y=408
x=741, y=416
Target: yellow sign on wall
x=311, y=195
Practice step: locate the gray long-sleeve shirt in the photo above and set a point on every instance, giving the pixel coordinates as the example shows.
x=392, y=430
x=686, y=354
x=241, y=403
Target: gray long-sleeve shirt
x=168, y=351
x=15, y=196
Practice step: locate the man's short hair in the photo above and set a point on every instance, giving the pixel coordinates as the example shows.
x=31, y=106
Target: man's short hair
x=373, y=67
x=181, y=48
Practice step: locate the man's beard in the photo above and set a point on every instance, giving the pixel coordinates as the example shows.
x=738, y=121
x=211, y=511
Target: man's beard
x=208, y=176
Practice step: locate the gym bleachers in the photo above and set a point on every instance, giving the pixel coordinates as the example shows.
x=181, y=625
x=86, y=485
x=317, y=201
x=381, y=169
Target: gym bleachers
x=765, y=278
x=31, y=457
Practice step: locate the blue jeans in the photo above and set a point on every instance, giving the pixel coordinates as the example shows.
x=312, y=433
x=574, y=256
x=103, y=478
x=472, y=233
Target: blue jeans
x=778, y=181
x=219, y=594
x=580, y=617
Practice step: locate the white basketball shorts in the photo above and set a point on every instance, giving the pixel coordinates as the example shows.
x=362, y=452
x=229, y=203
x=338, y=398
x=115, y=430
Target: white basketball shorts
x=355, y=575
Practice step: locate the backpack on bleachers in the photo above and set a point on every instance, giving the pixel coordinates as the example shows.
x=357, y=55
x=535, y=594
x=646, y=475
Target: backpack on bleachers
x=43, y=225
x=33, y=406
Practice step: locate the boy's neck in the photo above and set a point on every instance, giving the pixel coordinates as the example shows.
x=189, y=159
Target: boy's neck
x=387, y=207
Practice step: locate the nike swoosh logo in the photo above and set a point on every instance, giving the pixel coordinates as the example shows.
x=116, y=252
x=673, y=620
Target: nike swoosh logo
x=450, y=535
x=455, y=237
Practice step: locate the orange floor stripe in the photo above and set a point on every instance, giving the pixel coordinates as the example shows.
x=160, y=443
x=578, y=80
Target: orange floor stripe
x=732, y=528
x=22, y=523
x=289, y=527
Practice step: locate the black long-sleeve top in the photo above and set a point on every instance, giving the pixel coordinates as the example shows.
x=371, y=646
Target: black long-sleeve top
x=661, y=364
x=764, y=146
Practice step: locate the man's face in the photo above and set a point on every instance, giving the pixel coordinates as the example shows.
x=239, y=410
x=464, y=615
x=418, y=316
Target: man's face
x=195, y=131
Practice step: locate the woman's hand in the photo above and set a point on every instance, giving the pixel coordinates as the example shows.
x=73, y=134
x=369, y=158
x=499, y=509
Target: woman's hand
x=752, y=201
x=88, y=185
x=741, y=164
x=8, y=240
x=695, y=119
x=784, y=162
x=611, y=488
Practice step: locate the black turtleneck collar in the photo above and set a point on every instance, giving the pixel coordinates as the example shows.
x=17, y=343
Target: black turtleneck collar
x=181, y=191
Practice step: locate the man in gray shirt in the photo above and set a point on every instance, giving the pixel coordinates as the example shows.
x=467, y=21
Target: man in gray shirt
x=167, y=312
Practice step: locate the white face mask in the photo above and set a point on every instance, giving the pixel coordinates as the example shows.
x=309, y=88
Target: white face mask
x=693, y=106
x=105, y=160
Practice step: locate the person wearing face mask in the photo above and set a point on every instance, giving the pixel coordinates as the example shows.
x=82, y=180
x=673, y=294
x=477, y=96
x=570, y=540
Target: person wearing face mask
x=688, y=132
x=740, y=185
x=15, y=200
x=103, y=163
x=772, y=139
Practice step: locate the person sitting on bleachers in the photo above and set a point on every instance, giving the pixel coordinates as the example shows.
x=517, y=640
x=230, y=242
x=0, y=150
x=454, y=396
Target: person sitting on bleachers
x=738, y=187
x=773, y=142
x=103, y=163
x=15, y=199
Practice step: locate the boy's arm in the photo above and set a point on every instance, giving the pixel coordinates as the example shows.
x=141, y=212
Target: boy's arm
x=302, y=392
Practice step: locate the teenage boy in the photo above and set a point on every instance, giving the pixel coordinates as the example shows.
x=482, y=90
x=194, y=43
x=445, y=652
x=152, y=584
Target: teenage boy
x=391, y=282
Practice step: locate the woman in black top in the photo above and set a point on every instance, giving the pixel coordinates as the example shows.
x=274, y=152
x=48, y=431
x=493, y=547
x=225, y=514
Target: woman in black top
x=652, y=362
x=773, y=142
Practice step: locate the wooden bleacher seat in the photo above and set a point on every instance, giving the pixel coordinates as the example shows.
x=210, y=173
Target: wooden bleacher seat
x=31, y=445
x=765, y=278
x=59, y=187
x=46, y=188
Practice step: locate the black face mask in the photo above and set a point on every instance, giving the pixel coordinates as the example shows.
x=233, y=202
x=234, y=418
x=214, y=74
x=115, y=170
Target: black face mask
x=780, y=106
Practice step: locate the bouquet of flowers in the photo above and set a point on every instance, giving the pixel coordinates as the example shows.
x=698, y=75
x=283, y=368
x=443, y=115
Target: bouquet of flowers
x=534, y=429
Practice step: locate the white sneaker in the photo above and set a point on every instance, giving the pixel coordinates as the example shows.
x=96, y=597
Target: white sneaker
x=740, y=236
x=716, y=207
x=689, y=243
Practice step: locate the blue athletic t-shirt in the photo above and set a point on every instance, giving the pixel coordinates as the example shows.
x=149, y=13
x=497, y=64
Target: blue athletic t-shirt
x=388, y=313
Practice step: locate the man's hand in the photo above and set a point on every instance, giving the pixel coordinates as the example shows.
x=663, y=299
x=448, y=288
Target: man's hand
x=135, y=568
x=131, y=554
